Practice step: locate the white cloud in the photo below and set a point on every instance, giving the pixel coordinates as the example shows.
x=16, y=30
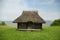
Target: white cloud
x=48, y=2
x=49, y=15
x=13, y=8
x=43, y=2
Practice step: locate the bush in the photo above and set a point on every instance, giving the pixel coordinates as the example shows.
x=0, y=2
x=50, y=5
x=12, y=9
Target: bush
x=56, y=23
x=2, y=23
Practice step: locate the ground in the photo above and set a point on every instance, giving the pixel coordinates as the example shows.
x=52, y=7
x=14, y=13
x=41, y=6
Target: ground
x=47, y=33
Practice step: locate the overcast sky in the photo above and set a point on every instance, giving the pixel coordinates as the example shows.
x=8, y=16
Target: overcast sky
x=47, y=9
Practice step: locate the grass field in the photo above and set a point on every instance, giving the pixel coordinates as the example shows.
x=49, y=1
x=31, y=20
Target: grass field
x=11, y=33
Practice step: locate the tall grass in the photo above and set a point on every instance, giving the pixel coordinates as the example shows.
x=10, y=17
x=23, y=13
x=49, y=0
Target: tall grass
x=11, y=33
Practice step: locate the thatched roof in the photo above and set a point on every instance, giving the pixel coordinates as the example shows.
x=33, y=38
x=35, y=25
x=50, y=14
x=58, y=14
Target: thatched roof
x=29, y=16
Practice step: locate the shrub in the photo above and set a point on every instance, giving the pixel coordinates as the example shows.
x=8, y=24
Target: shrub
x=2, y=23
x=56, y=22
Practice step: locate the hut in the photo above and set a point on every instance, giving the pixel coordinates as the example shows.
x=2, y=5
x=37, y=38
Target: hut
x=29, y=20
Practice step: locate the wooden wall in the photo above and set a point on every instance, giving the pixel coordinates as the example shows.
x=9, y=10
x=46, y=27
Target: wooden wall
x=29, y=25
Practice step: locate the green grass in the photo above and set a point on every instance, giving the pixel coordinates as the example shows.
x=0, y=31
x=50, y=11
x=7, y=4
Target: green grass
x=11, y=33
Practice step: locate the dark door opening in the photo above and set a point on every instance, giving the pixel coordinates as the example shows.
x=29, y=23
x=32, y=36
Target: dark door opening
x=29, y=25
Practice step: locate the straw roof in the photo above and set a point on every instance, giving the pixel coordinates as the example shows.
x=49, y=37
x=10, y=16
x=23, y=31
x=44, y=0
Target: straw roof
x=29, y=16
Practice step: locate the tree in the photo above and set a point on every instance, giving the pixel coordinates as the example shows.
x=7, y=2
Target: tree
x=2, y=23
x=56, y=22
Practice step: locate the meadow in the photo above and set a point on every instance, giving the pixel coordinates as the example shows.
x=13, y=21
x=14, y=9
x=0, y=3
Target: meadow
x=47, y=33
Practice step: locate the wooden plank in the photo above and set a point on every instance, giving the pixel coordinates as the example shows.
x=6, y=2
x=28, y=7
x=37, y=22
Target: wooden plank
x=28, y=29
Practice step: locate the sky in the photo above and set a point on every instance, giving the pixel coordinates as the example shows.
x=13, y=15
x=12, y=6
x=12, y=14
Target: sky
x=47, y=9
